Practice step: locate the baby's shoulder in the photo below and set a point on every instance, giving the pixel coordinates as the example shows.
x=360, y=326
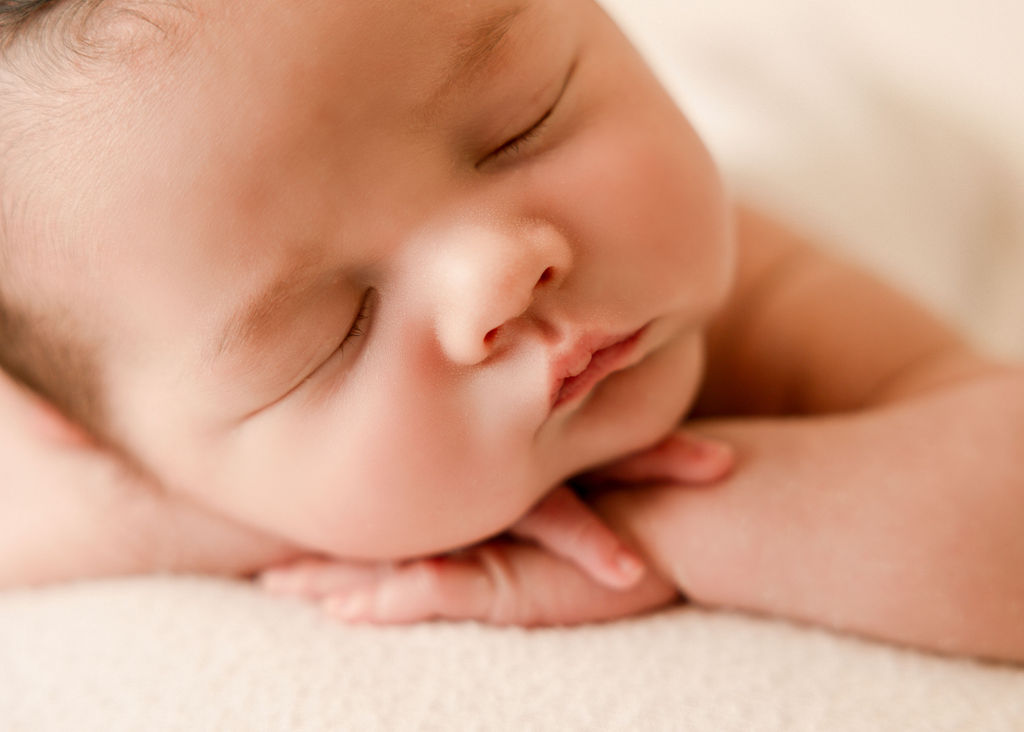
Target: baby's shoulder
x=804, y=331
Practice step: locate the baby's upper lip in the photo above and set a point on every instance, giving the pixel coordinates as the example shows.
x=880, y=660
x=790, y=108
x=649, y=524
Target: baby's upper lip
x=575, y=359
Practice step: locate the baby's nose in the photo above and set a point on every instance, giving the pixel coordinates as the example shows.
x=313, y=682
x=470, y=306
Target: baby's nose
x=490, y=280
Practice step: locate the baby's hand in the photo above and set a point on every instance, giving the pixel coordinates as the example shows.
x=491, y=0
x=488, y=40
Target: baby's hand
x=577, y=570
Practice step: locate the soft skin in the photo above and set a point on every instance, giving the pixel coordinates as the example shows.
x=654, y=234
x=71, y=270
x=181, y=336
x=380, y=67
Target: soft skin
x=478, y=265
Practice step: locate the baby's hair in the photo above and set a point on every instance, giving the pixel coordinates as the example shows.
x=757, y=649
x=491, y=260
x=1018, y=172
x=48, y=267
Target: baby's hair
x=14, y=13
x=31, y=352
x=20, y=18
x=48, y=47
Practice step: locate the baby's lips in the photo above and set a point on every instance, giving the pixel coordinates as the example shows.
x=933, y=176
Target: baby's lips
x=683, y=457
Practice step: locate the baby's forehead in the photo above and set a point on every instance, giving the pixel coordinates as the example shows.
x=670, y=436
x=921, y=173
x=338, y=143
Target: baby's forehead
x=262, y=88
x=376, y=60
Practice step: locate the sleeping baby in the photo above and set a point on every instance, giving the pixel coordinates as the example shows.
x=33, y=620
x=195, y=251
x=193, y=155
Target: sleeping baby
x=402, y=306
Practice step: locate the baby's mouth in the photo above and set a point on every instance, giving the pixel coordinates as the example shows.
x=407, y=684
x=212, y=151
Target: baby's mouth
x=580, y=370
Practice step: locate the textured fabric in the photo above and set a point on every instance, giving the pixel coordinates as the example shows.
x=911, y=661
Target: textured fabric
x=891, y=128
x=199, y=654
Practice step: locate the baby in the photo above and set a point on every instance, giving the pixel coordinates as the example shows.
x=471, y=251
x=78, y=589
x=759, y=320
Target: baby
x=333, y=281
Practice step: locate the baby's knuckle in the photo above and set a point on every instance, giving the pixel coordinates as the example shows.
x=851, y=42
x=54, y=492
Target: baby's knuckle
x=508, y=605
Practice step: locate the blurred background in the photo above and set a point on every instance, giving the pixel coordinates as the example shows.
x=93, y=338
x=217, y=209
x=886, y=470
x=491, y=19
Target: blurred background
x=893, y=131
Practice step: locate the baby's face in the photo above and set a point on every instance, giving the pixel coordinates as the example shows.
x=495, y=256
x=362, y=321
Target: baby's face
x=356, y=250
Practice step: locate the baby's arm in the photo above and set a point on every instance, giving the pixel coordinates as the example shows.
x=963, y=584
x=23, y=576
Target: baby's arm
x=902, y=523
x=880, y=485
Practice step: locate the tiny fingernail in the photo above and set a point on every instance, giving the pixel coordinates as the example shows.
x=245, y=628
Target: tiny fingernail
x=354, y=606
x=630, y=566
x=699, y=448
x=705, y=450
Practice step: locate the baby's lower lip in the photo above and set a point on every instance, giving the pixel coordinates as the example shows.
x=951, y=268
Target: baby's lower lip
x=602, y=363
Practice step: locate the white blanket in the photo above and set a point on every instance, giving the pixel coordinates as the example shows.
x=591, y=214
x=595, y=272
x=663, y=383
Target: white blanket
x=181, y=654
x=893, y=129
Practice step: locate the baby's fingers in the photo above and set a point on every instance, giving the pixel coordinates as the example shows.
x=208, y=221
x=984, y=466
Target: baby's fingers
x=499, y=583
x=425, y=589
x=316, y=579
x=567, y=527
x=683, y=457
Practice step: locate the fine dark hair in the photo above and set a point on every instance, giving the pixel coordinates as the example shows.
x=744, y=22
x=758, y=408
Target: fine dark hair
x=53, y=55
x=16, y=12
x=40, y=345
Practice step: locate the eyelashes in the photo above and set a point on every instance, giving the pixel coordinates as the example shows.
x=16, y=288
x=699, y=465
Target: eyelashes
x=357, y=328
x=515, y=145
x=355, y=331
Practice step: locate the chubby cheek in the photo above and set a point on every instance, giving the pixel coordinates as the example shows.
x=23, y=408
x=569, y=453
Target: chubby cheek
x=416, y=480
x=395, y=466
x=648, y=200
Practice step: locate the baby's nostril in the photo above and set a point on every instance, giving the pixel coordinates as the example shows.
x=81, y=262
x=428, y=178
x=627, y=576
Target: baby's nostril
x=546, y=276
x=490, y=336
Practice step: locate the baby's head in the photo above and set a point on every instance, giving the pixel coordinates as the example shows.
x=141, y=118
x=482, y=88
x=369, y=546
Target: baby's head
x=328, y=266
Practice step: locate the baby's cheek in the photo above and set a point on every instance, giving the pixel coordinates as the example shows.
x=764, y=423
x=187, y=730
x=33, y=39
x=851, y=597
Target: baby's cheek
x=420, y=485
x=441, y=461
x=430, y=499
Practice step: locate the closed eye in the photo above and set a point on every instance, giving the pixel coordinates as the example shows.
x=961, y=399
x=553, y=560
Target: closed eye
x=357, y=328
x=516, y=144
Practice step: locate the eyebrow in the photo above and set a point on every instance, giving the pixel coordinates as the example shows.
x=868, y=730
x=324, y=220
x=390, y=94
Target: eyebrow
x=476, y=49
